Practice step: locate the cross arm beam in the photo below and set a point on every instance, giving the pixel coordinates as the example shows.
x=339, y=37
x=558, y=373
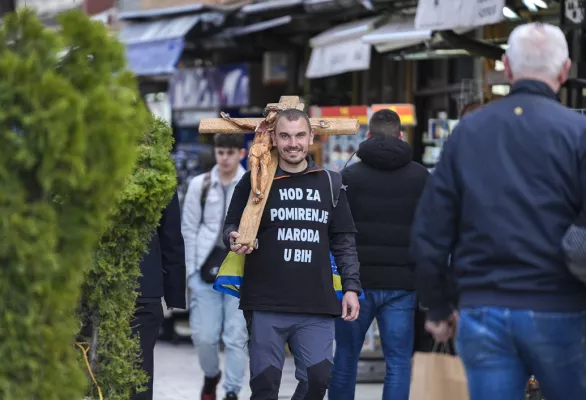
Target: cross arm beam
x=321, y=126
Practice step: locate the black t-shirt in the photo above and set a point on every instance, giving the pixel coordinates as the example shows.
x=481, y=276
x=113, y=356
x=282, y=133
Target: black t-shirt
x=290, y=271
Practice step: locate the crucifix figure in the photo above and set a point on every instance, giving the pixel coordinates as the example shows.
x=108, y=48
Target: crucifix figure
x=264, y=161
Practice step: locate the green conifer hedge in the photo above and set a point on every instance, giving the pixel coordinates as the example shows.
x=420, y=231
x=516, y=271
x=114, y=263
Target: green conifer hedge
x=109, y=291
x=69, y=125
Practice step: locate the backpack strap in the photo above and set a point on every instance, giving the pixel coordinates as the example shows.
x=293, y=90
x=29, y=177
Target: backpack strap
x=335, y=186
x=205, y=188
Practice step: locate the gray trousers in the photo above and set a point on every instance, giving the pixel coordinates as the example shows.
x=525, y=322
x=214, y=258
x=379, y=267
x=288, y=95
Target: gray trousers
x=310, y=339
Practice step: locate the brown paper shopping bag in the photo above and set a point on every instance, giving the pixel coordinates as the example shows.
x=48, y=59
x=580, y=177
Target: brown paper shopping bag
x=438, y=376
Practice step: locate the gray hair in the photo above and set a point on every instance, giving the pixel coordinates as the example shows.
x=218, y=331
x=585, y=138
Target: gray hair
x=537, y=49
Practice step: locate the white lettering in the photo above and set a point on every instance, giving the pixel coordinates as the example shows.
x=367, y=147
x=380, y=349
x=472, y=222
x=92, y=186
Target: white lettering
x=291, y=194
x=303, y=256
x=299, y=214
x=313, y=195
x=283, y=194
x=287, y=256
x=298, y=235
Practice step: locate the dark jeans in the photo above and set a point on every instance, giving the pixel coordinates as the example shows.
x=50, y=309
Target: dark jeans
x=501, y=348
x=394, y=311
x=148, y=319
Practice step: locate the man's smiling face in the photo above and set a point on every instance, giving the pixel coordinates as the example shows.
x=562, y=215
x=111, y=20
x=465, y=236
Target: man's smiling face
x=292, y=139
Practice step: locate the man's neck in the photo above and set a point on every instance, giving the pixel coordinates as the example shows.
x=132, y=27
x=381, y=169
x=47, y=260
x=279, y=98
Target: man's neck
x=293, y=168
x=553, y=84
x=227, y=177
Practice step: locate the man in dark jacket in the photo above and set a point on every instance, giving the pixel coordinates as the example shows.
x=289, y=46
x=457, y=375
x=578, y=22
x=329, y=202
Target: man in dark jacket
x=163, y=275
x=383, y=190
x=511, y=180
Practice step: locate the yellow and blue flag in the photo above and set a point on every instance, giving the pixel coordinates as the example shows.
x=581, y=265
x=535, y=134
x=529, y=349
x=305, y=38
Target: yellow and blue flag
x=231, y=272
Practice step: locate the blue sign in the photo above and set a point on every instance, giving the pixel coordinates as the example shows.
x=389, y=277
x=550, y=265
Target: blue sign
x=158, y=57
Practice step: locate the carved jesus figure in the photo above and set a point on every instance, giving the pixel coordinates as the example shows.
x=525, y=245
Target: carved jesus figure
x=260, y=151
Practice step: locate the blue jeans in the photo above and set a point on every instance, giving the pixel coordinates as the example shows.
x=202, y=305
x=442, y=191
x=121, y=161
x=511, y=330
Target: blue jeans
x=394, y=311
x=214, y=315
x=501, y=348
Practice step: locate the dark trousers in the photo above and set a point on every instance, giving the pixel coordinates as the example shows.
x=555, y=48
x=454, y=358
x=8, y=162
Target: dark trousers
x=310, y=339
x=148, y=319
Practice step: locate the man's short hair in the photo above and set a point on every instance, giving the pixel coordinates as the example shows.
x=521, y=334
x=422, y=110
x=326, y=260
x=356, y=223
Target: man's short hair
x=537, y=49
x=293, y=114
x=385, y=123
x=229, y=141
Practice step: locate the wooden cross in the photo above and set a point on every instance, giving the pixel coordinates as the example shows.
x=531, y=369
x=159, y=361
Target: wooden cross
x=263, y=158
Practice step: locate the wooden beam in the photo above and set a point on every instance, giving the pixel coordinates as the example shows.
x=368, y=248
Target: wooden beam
x=250, y=221
x=321, y=126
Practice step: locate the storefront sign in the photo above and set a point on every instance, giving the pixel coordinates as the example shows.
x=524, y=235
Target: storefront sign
x=210, y=87
x=358, y=112
x=337, y=58
x=441, y=15
x=405, y=111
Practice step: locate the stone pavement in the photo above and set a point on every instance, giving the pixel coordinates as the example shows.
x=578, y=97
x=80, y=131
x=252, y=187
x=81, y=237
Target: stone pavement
x=179, y=377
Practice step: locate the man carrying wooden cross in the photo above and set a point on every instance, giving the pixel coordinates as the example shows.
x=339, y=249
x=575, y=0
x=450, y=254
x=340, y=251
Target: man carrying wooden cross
x=287, y=293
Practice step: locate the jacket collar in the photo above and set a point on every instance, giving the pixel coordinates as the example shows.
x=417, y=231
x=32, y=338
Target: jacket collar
x=311, y=167
x=215, y=175
x=531, y=86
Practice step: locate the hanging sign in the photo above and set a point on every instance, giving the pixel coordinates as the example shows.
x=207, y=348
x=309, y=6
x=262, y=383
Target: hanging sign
x=405, y=111
x=442, y=15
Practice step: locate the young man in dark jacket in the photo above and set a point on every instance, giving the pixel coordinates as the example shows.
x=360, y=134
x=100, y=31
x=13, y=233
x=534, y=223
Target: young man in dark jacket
x=383, y=190
x=163, y=275
x=509, y=183
x=287, y=292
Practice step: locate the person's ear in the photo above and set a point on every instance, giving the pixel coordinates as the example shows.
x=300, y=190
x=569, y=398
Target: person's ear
x=368, y=135
x=565, y=71
x=274, y=138
x=311, y=136
x=508, y=72
x=401, y=135
x=242, y=154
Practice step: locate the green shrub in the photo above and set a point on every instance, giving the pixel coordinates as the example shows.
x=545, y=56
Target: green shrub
x=69, y=124
x=110, y=287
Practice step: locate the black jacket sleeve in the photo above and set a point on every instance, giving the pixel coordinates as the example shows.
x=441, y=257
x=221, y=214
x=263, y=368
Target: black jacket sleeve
x=173, y=255
x=434, y=233
x=343, y=245
x=236, y=208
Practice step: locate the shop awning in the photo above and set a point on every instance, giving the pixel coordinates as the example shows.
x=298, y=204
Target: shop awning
x=325, y=6
x=131, y=10
x=154, y=47
x=396, y=35
x=269, y=5
x=340, y=49
x=457, y=14
x=258, y=27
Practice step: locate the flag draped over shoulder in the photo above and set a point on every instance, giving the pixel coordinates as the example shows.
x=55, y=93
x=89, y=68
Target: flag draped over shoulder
x=231, y=272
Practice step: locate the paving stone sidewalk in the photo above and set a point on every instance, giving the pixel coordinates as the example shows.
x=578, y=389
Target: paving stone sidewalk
x=179, y=377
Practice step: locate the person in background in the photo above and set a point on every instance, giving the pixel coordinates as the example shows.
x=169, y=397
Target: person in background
x=383, y=191
x=162, y=275
x=511, y=180
x=214, y=315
